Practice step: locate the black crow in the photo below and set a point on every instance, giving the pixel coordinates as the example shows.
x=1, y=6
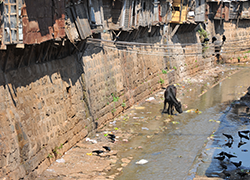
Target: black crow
x=221, y=153
x=214, y=39
x=206, y=40
x=106, y=148
x=242, y=136
x=245, y=131
x=98, y=152
x=227, y=174
x=220, y=158
x=224, y=38
x=228, y=136
x=230, y=155
x=241, y=143
x=237, y=164
x=223, y=166
x=111, y=137
x=229, y=144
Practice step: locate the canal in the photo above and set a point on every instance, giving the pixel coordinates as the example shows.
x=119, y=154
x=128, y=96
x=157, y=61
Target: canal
x=173, y=145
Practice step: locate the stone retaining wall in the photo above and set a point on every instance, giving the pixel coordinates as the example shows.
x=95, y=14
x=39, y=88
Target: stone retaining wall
x=46, y=108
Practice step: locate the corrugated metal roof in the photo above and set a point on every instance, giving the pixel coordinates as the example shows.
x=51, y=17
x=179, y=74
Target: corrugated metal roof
x=42, y=20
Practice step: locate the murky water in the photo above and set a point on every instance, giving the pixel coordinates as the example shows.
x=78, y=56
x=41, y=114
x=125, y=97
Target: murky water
x=171, y=147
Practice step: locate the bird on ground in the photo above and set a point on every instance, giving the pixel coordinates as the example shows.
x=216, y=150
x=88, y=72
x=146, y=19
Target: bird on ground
x=98, y=152
x=111, y=137
x=230, y=155
x=214, y=39
x=227, y=174
x=221, y=153
x=224, y=38
x=106, y=148
x=242, y=174
x=242, y=136
x=229, y=144
x=245, y=131
x=228, y=136
x=237, y=164
x=206, y=40
x=220, y=158
x=241, y=143
x=223, y=166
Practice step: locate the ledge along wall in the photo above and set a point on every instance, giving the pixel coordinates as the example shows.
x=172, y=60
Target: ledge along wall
x=46, y=108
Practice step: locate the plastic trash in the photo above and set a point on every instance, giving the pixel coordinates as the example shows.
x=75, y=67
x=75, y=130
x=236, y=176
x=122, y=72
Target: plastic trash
x=60, y=160
x=91, y=140
x=156, y=153
x=244, y=150
x=142, y=161
x=144, y=128
x=150, y=99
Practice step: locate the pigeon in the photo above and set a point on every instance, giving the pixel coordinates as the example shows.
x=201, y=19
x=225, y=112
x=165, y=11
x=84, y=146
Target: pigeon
x=242, y=136
x=230, y=155
x=228, y=136
x=106, y=148
x=98, y=152
x=237, y=164
x=220, y=158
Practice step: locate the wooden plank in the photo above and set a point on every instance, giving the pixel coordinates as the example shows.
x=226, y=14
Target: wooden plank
x=174, y=31
x=226, y=11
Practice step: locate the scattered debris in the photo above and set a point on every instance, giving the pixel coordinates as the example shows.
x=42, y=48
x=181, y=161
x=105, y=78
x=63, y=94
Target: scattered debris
x=142, y=161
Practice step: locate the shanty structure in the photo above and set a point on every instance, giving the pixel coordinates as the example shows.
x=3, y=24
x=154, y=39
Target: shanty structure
x=33, y=22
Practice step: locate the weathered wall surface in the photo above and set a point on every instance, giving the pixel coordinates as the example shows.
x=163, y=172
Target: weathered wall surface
x=46, y=108
x=235, y=48
x=41, y=107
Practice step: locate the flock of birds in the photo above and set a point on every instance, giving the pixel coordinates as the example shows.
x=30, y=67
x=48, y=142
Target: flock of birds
x=224, y=156
x=107, y=149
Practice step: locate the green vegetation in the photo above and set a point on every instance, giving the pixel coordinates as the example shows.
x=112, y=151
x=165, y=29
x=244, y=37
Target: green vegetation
x=161, y=81
x=50, y=156
x=115, y=99
x=175, y=68
x=164, y=71
x=123, y=104
x=202, y=33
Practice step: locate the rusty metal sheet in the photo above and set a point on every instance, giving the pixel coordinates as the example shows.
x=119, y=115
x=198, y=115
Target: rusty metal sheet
x=219, y=12
x=77, y=25
x=226, y=11
x=42, y=20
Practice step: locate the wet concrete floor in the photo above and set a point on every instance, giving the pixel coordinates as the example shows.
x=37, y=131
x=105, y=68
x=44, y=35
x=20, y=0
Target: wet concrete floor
x=171, y=148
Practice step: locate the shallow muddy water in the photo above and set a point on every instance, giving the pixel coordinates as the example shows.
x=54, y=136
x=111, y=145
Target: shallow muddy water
x=171, y=144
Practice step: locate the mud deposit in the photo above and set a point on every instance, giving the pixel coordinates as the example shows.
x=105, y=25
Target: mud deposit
x=170, y=144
